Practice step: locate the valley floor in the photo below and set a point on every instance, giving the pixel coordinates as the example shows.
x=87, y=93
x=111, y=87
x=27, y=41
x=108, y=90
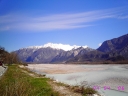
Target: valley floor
x=20, y=81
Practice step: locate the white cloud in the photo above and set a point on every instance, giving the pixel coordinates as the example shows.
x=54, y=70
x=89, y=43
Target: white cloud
x=123, y=17
x=99, y=44
x=56, y=21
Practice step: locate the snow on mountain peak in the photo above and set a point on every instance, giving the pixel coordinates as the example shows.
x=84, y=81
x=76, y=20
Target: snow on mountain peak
x=65, y=47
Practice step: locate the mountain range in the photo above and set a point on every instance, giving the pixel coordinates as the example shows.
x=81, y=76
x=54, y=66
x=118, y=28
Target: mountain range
x=115, y=49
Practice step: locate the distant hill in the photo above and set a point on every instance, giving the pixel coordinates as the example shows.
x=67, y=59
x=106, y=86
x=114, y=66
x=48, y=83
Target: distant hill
x=111, y=50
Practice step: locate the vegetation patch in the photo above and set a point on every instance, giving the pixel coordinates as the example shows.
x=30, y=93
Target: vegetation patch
x=17, y=83
x=83, y=89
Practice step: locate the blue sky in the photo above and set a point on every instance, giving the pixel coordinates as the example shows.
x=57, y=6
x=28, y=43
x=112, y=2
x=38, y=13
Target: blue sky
x=26, y=23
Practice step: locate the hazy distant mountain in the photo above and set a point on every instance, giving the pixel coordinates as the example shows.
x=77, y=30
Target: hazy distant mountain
x=66, y=55
x=49, y=53
x=39, y=55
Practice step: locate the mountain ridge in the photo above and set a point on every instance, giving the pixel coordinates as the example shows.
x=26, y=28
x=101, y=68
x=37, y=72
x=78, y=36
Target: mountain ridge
x=45, y=54
x=113, y=50
x=65, y=47
x=115, y=43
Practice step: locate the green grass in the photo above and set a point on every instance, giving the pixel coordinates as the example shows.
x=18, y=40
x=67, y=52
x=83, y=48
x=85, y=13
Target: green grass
x=17, y=83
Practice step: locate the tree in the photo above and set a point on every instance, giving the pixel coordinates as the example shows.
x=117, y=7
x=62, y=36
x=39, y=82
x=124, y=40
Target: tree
x=2, y=53
x=8, y=58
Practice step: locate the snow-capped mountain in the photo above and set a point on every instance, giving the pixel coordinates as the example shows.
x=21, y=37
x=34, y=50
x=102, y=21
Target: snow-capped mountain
x=65, y=47
x=50, y=52
x=111, y=50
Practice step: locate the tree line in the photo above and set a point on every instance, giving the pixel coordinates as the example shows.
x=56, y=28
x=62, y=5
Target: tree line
x=8, y=58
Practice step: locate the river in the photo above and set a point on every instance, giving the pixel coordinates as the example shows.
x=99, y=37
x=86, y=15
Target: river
x=108, y=80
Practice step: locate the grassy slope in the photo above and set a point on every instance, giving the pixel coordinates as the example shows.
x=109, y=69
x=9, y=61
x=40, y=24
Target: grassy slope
x=16, y=83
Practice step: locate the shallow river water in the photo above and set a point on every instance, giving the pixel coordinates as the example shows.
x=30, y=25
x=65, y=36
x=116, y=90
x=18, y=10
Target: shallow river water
x=108, y=80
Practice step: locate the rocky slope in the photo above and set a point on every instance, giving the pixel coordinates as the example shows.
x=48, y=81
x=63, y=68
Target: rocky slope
x=41, y=55
x=111, y=50
x=115, y=44
x=50, y=53
x=66, y=55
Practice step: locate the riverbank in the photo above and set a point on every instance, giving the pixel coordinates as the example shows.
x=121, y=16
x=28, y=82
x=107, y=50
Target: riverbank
x=64, y=89
x=16, y=83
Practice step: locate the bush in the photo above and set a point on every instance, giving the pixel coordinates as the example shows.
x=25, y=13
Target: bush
x=84, y=91
x=88, y=91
